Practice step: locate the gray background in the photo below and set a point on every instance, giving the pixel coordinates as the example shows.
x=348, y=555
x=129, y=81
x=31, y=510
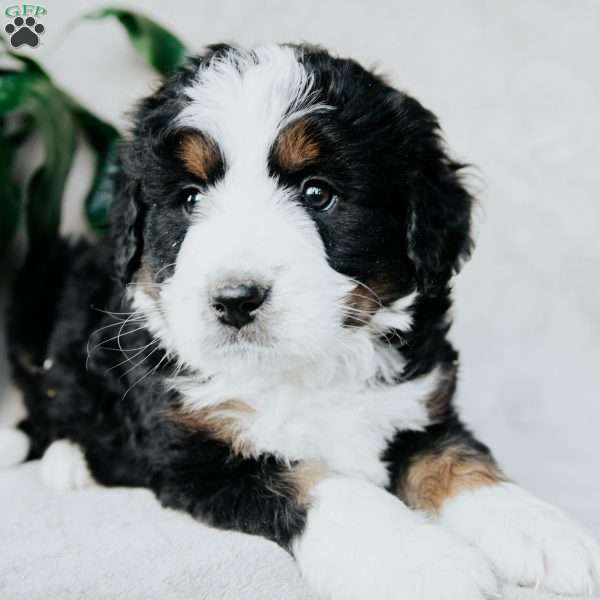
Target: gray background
x=517, y=88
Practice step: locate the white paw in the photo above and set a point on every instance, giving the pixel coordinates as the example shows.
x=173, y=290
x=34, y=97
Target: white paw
x=14, y=447
x=361, y=542
x=64, y=467
x=529, y=542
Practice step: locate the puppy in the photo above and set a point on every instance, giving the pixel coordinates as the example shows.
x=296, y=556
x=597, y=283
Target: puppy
x=262, y=338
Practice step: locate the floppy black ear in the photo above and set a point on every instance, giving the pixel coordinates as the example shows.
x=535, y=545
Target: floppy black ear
x=127, y=221
x=439, y=217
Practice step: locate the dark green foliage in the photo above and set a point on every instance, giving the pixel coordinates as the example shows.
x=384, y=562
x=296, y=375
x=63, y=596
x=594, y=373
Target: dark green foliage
x=31, y=104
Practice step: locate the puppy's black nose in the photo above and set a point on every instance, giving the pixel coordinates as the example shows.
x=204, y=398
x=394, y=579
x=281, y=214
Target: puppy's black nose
x=236, y=305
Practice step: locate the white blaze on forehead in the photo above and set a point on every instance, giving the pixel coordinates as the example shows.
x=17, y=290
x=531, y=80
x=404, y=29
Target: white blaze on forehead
x=246, y=226
x=243, y=98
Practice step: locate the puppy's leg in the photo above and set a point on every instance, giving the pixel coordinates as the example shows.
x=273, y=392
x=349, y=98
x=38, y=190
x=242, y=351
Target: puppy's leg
x=361, y=542
x=445, y=471
x=351, y=539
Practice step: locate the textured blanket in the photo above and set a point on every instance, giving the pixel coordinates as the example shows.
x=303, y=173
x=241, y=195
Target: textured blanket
x=101, y=543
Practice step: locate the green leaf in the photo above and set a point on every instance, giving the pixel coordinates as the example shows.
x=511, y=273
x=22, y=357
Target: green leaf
x=10, y=194
x=16, y=89
x=30, y=64
x=160, y=48
x=45, y=190
x=16, y=137
x=31, y=94
x=102, y=191
x=31, y=91
x=163, y=51
x=57, y=117
x=104, y=139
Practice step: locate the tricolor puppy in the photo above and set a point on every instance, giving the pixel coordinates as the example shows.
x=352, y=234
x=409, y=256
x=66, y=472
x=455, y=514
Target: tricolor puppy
x=261, y=340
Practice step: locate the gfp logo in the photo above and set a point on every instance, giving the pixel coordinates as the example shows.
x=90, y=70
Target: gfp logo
x=24, y=30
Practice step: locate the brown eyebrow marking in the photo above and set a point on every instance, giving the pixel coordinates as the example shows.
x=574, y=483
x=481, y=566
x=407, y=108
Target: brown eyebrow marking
x=199, y=154
x=295, y=147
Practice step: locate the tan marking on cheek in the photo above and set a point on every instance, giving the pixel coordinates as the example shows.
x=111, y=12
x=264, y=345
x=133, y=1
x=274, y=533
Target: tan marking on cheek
x=434, y=477
x=295, y=147
x=144, y=279
x=363, y=301
x=199, y=154
x=361, y=305
x=223, y=422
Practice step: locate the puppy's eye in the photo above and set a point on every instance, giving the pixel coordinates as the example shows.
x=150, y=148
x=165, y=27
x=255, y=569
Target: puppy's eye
x=318, y=195
x=188, y=198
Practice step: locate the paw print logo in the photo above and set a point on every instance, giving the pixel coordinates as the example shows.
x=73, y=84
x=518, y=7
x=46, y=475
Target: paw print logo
x=24, y=31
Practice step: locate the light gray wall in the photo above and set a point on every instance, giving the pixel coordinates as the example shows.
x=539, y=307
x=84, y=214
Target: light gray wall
x=517, y=87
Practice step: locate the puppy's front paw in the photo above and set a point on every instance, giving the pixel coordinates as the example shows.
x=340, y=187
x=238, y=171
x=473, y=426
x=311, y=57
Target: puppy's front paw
x=528, y=541
x=361, y=542
x=64, y=467
x=430, y=564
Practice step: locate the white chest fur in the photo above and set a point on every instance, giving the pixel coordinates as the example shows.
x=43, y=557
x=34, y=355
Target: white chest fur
x=345, y=426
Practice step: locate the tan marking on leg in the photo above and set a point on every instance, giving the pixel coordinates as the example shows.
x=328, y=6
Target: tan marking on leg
x=295, y=147
x=223, y=421
x=303, y=477
x=199, y=154
x=434, y=477
x=299, y=481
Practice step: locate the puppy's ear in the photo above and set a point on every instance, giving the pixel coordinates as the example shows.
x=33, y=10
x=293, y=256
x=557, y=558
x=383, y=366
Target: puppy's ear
x=439, y=214
x=127, y=222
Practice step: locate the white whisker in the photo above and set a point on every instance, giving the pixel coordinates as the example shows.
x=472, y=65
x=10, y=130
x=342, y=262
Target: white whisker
x=140, y=362
x=148, y=372
x=130, y=358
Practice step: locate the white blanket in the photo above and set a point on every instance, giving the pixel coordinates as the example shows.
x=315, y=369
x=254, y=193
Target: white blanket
x=101, y=543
